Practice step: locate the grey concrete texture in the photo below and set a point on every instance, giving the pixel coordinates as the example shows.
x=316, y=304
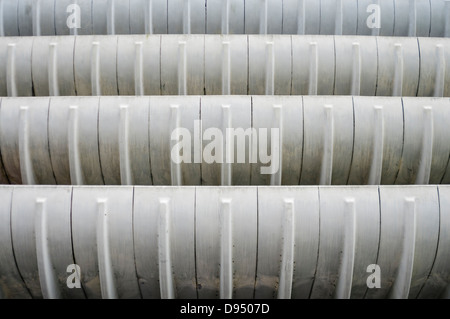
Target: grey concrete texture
x=214, y=65
x=309, y=140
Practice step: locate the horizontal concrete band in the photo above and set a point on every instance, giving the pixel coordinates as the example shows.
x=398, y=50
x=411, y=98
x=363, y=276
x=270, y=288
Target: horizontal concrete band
x=224, y=140
x=210, y=242
x=214, y=65
x=351, y=17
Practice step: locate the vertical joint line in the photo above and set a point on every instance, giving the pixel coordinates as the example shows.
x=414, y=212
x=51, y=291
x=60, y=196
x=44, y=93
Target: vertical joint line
x=167, y=289
x=226, y=250
x=287, y=252
x=327, y=159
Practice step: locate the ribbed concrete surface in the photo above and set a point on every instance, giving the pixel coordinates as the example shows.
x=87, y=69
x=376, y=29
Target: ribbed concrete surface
x=210, y=242
x=214, y=64
x=397, y=18
x=316, y=92
x=309, y=140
